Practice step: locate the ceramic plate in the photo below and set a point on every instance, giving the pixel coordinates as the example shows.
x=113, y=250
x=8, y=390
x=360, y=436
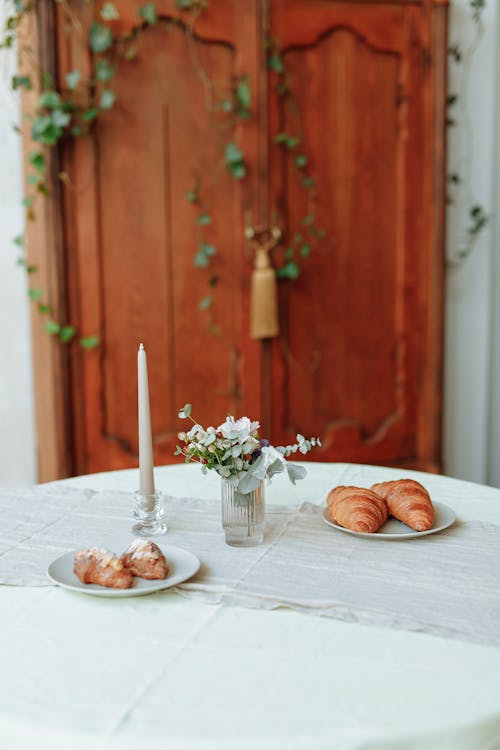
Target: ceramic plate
x=444, y=517
x=182, y=565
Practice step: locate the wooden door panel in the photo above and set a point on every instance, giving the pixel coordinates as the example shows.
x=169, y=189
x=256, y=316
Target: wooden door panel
x=350, y=366
x=141, y=233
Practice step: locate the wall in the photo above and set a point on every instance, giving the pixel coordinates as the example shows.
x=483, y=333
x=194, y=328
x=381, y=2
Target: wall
x=17, y=440
x=471, y=395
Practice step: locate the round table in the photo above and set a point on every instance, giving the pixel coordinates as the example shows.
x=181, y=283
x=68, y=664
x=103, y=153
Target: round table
x=165, y=672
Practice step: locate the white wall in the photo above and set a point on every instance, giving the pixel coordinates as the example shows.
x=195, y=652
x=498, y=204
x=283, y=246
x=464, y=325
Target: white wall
x=472, y=149
x=472, y=348
x=17, y=441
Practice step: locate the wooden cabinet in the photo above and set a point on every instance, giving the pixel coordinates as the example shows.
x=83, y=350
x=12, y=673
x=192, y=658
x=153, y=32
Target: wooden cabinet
x=358, y=360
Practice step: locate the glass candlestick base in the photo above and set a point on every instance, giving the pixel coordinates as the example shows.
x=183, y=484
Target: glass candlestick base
x=149, y=514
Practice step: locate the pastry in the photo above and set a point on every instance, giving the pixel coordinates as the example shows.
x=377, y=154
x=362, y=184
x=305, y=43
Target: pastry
x=408, y=501
x=102, y=567
x=145, y=559
x=357, y=509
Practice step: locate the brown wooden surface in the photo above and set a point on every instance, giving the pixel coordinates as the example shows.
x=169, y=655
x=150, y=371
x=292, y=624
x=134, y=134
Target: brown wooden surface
x=359, y=360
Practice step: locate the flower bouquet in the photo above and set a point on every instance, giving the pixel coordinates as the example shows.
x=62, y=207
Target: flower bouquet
x=243, y=461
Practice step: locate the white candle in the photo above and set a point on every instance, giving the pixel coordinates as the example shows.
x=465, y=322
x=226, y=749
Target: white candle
x=146, y=476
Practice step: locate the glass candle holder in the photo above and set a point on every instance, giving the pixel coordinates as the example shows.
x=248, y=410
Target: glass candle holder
x=149, y=513
x=243, y=515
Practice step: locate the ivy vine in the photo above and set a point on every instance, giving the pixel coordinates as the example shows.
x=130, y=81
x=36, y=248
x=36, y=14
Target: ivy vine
x=476, y=216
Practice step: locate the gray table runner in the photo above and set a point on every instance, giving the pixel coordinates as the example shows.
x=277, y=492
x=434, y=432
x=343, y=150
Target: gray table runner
x=447, y=584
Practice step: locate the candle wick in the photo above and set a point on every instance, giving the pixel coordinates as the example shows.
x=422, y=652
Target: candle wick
x=141, y=346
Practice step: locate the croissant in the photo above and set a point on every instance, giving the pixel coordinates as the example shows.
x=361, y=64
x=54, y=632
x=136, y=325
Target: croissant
x=357, y=509
x=102, y=567
x=145, y=559
x=408, y=501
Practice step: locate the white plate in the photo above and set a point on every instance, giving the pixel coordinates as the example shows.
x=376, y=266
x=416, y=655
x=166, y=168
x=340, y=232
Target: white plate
x=444, y=517
x=182, y=565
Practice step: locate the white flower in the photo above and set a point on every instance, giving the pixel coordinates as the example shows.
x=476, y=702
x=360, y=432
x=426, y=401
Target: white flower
x=232, y=428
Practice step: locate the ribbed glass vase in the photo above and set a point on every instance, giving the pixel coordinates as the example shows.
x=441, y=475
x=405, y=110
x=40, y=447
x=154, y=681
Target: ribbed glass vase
x=243, y=515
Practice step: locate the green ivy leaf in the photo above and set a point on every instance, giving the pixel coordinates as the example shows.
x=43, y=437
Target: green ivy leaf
x=209, y=250
x=52, y=327
x=66, y=333
x=109, y=12
x=28, y=201
x=35, y=294
x=73, y=79
x=44, y=309
x=21, y=82
x=204, y=220
x=107, y=99
x=104, y=71
x=305, y=251
x=31, y=269
x=226, y=105
x=19, y=240
x=243, y=93
x=288, y=271
x=60, y=118
x=90, y=114
x=192, y=195
x=308, y=220
x=34, y=179
x=201, y=260
x=184, y=4
x=301, y=161
x=44, y=130
x=49, y=99
x=289, y=253
x=89, y=342
x=130, y=52
x=308, y=182
x=148, y=13
x=100, y=37
x=274, y=62
x=213, y=281
x=233, y=154
x=206, y=302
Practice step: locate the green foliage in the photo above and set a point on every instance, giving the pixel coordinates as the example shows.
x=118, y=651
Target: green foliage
x=289, y=271
x=206, y=302
x=49, y=100
x=148, y=13
x=100, y=38
x=66, y=334
x=21, y=82
x=103, y=70
x=185, y=412
x=274, y=62
x=52, y=327
x=477, y=7
x=243, y=98
x=107, y=99
x=235, y=161
x=109, y=12
x=35, y=294
x=301, y=161
x=204, y=220
x=89, y=342
x=202, y=257
x=73, y=79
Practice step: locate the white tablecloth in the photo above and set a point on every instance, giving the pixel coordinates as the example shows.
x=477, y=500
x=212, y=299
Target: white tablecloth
x=167, y=673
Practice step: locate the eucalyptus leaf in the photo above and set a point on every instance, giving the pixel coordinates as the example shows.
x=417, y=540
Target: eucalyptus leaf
x=295, y=472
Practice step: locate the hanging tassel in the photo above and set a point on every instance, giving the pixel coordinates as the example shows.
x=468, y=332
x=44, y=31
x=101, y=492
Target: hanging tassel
x=264, y=323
